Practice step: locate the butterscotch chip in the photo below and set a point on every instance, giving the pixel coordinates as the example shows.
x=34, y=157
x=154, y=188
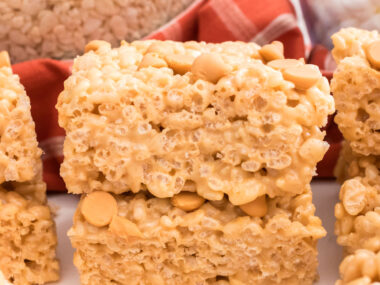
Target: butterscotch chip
x=209, y=67
x=272, y=51
x=4, y=59
x=98, y=208
x=373, y=54
x=256, y=208
x=95, y=45
x=180, y=63
x=152, y=60
x=284, y=63
x=124, y=227
x=187, y=201
x=303, y=77
x=160, y=48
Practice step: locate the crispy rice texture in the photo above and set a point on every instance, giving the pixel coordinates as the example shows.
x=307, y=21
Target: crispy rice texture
x=27, y=234
x=358, y=212
x=215, y=244
x=19, y=152
x=164, y=129
x=362, y=268
x=356, y=89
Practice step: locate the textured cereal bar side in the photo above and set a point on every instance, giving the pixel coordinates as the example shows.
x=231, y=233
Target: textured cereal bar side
x=27, y=230
x=141, y=239
x=19, y=152
x=27, y=234
x=356, y=88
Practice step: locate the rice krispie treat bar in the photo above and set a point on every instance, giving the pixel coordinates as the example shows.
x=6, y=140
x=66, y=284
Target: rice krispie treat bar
x=19, y=152
x=27, y=230
x=229, y=118
x=360, y=268
x=61, y=29
x=356, y=85
x=140, y=239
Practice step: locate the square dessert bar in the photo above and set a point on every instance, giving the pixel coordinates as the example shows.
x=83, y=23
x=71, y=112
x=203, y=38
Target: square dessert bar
x=140, y=239
x=27, y=230
x=229, y=118
x=356, y=88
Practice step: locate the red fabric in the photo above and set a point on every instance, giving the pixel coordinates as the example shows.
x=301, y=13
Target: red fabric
x=261, y=21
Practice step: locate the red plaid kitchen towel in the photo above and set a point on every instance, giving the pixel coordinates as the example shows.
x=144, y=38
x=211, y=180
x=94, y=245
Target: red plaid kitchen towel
x=261, y=21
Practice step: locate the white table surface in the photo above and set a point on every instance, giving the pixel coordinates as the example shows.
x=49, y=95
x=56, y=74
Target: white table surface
x=325, y=195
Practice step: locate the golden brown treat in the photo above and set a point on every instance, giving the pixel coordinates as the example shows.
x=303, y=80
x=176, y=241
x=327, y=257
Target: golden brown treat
x=60, y=29
x=216, y=117
x=360, y=268
x=27, y=234
x=19, y=154
x=351, y=164
x=356, y=89
x=152, y=242
x=358, y=212
x=27, y=230
x=358, y=215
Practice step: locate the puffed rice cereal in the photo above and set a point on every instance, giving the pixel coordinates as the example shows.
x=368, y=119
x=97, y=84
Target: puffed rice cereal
x=360, y=268
x=356, y=88
x=358, y=212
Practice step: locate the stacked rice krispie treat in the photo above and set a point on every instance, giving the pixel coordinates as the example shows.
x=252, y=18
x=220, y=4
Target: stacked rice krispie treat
x=194, y=163
x=27, y=230
x=356, y=89
x=61, y=29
